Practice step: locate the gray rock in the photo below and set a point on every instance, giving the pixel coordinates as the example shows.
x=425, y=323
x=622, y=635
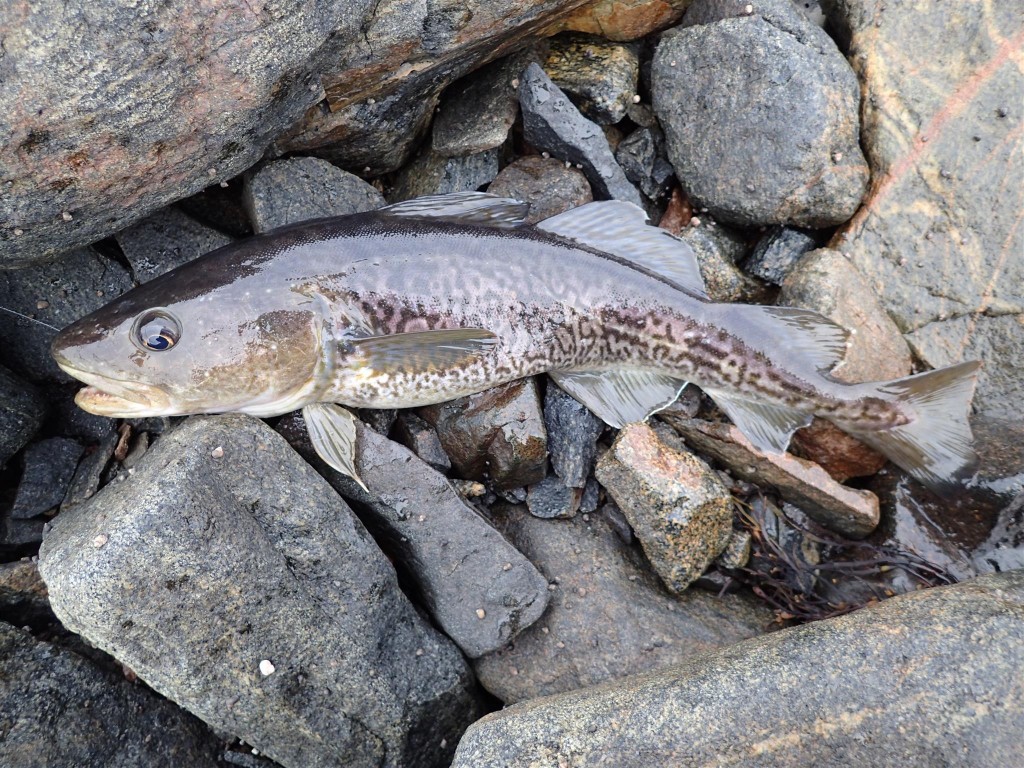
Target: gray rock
x=57, y=293
x=89, y=474
x=435, y=174
x=380, y=420
x=641, y=155
x=760, y=114
x=548, y=185
x=609, y=615
x=164, y=240
x=300, y=188
x=238, y=584
x=718, y=251
x=60, y=709
x=23, y=594
x=737, y=552
x=599, y=76
x=220, y=206
x=552, y=124
x=777, y=252
x=478, y=111
x=421, y=438
x=944, y=688
x=496, y=435
x=939, y=237
x=552, y=498
x=479, y=589
x=19, y=536
x=49, y=466
x=21, y=413
x=68, y=419
x=572, y=436
x=677, y=506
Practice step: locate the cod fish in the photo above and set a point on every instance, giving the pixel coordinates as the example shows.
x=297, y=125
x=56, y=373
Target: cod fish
x=439, y=297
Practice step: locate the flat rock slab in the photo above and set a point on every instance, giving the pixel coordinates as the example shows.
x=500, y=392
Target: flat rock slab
x=848, y=511
x=49, y=466
x=164, y=240
x=931, y=678
x=233, y=580
x=609, y=616
x=21, y=413
x=60, y=709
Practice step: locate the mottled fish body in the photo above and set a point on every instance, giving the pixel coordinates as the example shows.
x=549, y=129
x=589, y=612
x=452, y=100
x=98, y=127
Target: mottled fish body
x=441, y=297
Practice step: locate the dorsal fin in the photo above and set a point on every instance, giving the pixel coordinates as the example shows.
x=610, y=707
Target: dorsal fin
x=477, y=208
x=620, y=397
x=801, y=331
x=621, y=229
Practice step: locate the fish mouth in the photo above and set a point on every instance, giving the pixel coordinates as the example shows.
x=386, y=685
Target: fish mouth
x=118, y=399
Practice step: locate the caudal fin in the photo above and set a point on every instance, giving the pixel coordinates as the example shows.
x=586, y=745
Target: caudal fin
x=935, y=446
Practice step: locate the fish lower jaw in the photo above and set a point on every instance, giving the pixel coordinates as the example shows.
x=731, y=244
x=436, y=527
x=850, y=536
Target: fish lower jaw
x=101, y=403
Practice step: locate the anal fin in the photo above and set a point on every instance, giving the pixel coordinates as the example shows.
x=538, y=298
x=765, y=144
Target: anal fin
x=332, y=430
x=620, y=397
x=768, y=426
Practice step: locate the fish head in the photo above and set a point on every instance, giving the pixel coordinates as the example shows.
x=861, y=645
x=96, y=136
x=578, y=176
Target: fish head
x=182, y=344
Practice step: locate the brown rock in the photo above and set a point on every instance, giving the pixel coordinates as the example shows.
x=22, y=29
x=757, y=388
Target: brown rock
x=623, y=20
x=600, y=77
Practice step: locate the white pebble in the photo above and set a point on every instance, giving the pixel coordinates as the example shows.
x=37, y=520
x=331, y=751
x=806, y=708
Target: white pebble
x=267, y=668
x=217, y=452
x=100, y=540
x=66, y=216
x=480, y=613
x=636, y=98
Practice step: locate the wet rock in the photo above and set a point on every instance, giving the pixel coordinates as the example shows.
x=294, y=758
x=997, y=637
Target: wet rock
x=552, y=124
x=718, y=250
x=164, y=240
x=548, y=185
x=572, y=436
x=496, y=435
x=847, y=511
x=939, y=238
x=777, y=252
x=435, y=174
x=552, y=498
x=300, y=188
x=420, y=438
x=678, y=508
x=21, y=413
x=57, y=293
x=257, y=601
x=478, y=111
x=599, y=76
x=760, y=113
x=641, y=156
x=943, y=689
x=601, y=582
x=479, y=589
x=61, y=709
x=49, y=466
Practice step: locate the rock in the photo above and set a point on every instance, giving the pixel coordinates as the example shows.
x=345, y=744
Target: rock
x=300, y=188
x=21, y=413
x=760, y=114
x=221, y=207
x=718, y=250
x=847, y=511
x=67, y=419
x=609, y=615
x=257, y=601
x=57, y=294
x=622, y=20
x=552, y=498
x=641, y=156
x=777, y=252
x=552, y=124
x=61, y=709
x=164, y=240
x=497, y=435
x=736, y=552
x=18, y=537
x=478, y=111
x=572, y=436
x=421, y=438
x=435, y=174
x=942, y=689
x=461, y=566
x=839, y=454
x=678, y=508
x=548, y=185
x=938, y=238
x=599, y=76
x=49, y=466
x=88, y=475
x=23, y=596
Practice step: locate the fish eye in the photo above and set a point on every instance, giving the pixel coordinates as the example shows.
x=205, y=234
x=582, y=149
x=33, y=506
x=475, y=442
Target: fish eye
x=156, y=330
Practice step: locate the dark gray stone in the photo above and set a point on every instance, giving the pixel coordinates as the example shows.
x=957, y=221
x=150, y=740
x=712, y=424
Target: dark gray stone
x=57, y=293
x=164, y=240
x=255, y=599
x=609, y=615
x=599, y=76
x=479, y=589
x=718, y=251
x=19, y=536
x=300, y=188
x=552, y=124
x=220, y=206
x=777, y=252
x=421, y=438
x=21, y=413
x=931, y=678
x=87, y=478
x=572, y=436
x=641, y=155
x=49, y=466
x=67, y=419
x=548, y=185
x=552, y=498
x=60, y=709
x=23, y=598
x=760, y=113
x=435, y=174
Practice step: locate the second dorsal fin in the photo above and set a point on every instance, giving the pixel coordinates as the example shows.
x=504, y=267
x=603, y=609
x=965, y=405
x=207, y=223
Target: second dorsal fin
x=477, y=208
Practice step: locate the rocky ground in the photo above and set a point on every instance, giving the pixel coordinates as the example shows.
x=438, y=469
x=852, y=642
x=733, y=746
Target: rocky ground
x=517, y=585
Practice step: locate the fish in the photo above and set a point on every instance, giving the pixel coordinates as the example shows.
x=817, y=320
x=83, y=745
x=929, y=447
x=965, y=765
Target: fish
x=431, y=299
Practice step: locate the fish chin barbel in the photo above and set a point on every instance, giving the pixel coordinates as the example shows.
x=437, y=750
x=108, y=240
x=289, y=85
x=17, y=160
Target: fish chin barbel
x=439, y=297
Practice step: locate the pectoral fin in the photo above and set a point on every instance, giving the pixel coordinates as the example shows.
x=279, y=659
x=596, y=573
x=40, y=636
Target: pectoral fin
x=422, y=351
x=620, y=397
x=332, y=429
x=767, y=426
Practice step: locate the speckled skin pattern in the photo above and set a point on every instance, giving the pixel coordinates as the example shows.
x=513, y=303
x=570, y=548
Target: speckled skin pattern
x=267, y=324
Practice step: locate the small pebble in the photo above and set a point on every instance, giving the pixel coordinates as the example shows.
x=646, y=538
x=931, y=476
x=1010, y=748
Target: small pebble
x=480, y=613
x=217, y=452
x=267, y=668
x=19, y=232
x=42, y=304
x=100, y=540
x=507, y=567
x=66, y=216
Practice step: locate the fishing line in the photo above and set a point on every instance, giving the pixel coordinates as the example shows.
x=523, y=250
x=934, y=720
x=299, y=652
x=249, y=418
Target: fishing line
x=32, y=319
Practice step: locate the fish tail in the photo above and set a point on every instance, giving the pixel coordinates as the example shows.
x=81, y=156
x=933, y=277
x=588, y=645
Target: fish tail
x=935, y=446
